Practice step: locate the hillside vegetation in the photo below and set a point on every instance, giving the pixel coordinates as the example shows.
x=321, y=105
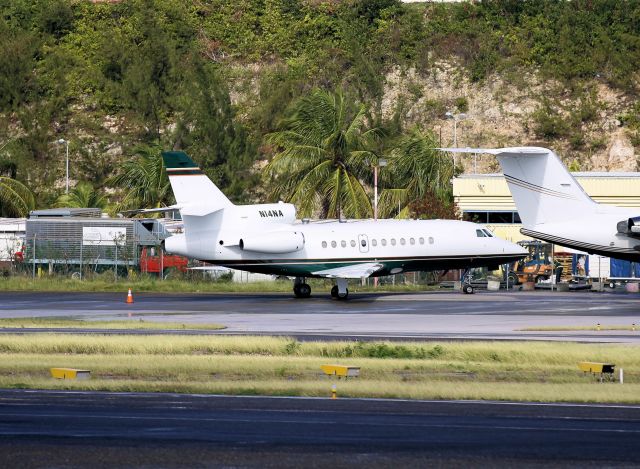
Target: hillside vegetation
x=215, y=78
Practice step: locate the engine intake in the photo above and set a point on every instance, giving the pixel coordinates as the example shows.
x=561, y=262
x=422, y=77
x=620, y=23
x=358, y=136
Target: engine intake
x=279, y=242
x=630, y=227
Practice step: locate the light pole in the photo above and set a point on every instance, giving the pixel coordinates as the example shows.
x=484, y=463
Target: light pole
x=380, y=164
x=456, y=118
x=66, y=142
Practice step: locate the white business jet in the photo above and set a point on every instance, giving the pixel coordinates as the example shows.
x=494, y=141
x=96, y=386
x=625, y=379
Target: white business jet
x=267, y=238
x=553, y=207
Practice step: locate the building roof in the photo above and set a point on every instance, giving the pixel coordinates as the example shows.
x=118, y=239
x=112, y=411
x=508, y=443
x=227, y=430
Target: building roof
x=66, y=212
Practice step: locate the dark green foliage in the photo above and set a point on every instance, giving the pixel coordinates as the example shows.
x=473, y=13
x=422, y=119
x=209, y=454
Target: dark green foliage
x=164, y=71
x=208, y=130
x=548, y=122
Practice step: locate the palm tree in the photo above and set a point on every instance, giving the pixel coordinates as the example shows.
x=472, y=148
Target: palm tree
x=323, y=154
x=145, y=181
x=83, y=195
x=15, y=198
x=415, y=170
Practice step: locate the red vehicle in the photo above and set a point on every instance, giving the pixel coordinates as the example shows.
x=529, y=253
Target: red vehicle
x=154, y=264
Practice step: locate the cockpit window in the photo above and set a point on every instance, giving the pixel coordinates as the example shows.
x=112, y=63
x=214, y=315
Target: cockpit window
x=480, y=234
x=488, y=233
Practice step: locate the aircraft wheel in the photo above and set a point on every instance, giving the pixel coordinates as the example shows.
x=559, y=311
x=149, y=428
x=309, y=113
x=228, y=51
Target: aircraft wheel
x=513, y=279
x=343, y=296
x=305, y=290
x=334, y=291
x=302, y=290
x=468, y=289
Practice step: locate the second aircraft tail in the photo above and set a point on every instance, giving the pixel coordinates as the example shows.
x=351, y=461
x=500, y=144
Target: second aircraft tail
x=542, y=188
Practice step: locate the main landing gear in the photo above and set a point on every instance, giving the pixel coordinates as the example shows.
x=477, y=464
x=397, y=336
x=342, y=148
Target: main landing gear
x=340, y=291
x=300, y=288
x=303, y=290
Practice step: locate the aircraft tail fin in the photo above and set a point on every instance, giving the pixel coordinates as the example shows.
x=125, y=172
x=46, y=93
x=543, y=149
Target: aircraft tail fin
x=194, y=191
x=542, y=188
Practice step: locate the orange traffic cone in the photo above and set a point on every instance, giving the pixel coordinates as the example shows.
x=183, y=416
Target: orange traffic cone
x=129, y=297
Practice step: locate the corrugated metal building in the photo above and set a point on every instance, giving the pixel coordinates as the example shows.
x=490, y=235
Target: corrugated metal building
x=486, y=198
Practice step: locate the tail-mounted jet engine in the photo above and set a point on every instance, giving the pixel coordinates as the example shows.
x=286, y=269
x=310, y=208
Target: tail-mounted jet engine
x=630, y=227
x=279, y=242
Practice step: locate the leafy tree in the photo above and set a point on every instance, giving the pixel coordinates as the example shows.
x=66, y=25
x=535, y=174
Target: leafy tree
x=82, y=196
x=207, y=128
x=144, y=181
x=17, y=51
x=430, y=206
x=323, y=155
x=416, y=170
x=15, y=198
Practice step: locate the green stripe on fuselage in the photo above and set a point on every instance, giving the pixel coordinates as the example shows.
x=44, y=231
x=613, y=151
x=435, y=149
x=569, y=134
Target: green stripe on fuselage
x=305, y=268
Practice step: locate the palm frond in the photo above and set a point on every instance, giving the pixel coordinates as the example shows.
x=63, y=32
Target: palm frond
x=15, y=198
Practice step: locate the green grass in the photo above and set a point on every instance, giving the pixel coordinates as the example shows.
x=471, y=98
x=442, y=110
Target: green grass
x=67, y=323
x=194, y=285
x=279, y=366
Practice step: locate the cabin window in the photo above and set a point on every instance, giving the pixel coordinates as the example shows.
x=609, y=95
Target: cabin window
x=480, y=234
x=383, y=241
x=324, y=244
x=402, y=241
x=421, y=240
x=412, y=241
x=393, y=241
x=363, y=243
x=343, y=243
x=333, y=244
x=353, y=243
x=374, y=242
x=430, y=240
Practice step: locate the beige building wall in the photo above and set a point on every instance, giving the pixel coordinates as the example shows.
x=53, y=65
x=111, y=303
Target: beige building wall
x=489, y=192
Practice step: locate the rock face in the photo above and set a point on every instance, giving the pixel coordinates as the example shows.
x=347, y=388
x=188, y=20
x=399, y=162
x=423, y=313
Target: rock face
x=499, y=112
x=621, y=154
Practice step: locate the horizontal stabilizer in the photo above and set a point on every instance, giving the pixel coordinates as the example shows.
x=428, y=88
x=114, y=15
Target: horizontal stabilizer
x=351, y=271
x=498, y=151
x=170, y=208
x=198, y=210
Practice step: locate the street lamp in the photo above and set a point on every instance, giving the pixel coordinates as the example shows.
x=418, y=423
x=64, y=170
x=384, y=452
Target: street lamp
x=456, y=118
x=66, y=142
x=380, y=164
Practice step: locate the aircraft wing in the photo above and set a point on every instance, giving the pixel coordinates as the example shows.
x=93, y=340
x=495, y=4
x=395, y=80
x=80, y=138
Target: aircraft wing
x=352, y=271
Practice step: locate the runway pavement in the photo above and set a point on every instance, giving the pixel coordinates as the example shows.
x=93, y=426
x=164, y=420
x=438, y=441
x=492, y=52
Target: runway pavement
x=432, y=315
x=84, y=429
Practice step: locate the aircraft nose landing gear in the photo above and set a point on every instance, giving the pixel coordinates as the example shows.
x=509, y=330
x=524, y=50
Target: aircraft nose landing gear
x=466, y=282
x=300, y=288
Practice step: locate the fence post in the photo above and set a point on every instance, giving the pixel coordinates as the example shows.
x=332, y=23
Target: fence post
x=33, y=256
x=81, y=243
x=116, y=267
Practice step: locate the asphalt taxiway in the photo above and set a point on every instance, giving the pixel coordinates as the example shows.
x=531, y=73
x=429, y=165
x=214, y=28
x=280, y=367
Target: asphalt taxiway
x=429, y=315
x=82, y=429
